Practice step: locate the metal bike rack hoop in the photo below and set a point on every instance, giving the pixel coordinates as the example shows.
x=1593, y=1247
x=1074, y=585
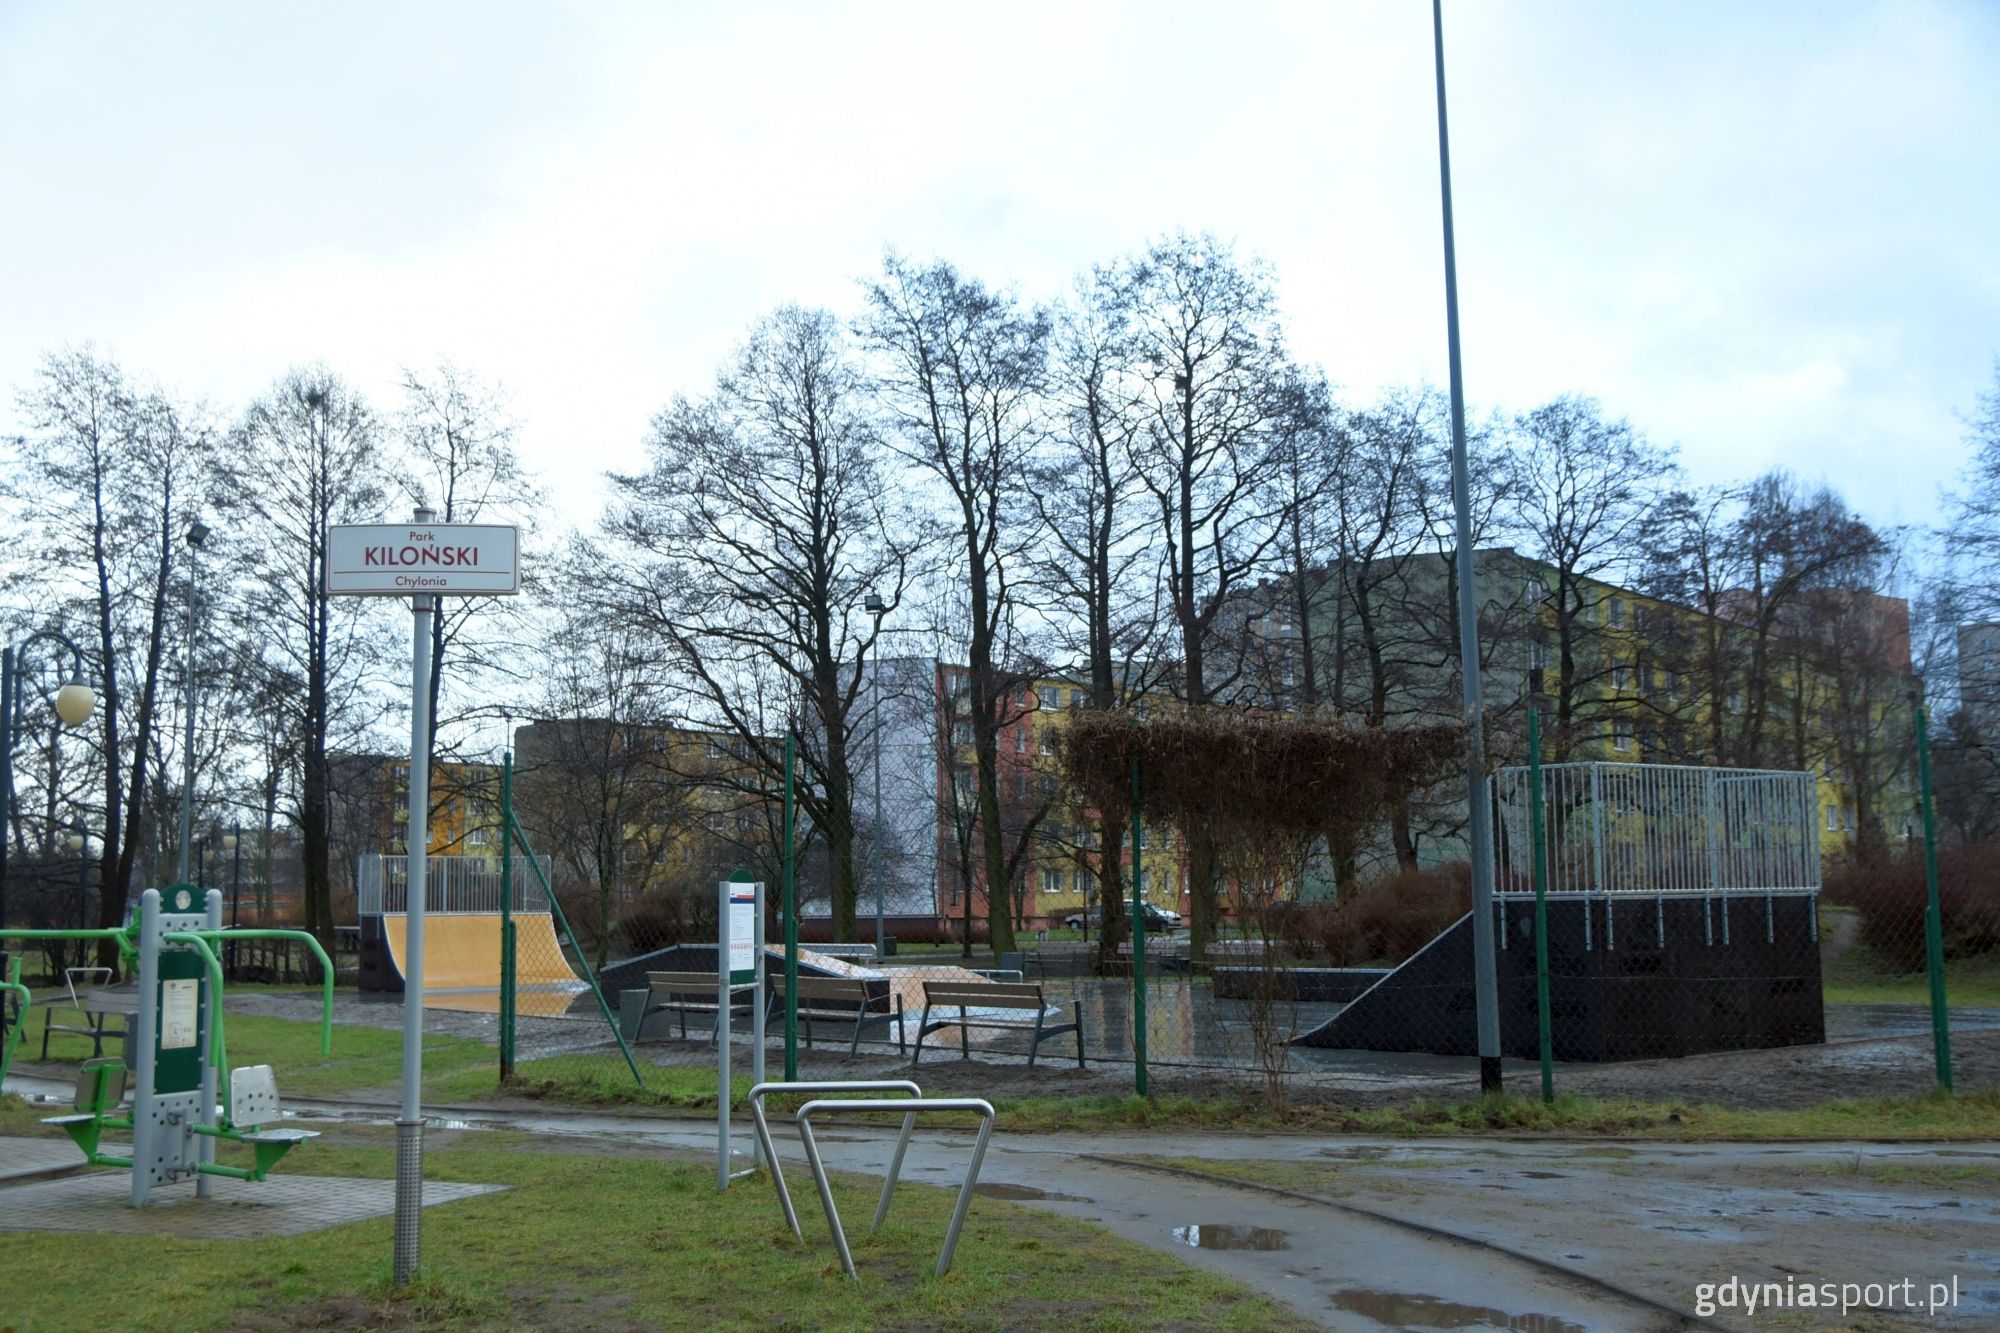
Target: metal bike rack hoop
x=911, y=1109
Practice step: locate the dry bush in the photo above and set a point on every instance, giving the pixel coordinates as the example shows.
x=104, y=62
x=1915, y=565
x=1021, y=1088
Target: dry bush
x=1244, y=778
x=1383, y=922
x=1889, y=897
x=666, y=917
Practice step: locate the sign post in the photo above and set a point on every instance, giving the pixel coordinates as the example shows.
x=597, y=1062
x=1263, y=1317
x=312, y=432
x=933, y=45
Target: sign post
x=739, y=961
x=421, y=560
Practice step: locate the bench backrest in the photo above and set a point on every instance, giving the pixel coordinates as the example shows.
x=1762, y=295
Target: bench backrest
x=853, y=990
x=985, y=994
x=682, y=983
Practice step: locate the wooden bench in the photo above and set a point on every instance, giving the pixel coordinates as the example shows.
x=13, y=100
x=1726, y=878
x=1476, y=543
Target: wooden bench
x=685, y=992
x=840, y=1000
x=1010, y=997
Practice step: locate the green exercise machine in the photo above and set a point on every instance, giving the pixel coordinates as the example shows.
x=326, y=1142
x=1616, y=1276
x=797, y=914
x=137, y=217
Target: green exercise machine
x=185, y=1098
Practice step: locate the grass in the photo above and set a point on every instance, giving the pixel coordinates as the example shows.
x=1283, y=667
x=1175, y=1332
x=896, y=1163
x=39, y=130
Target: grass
x=362, y=1057
x=588, y=1240
x=1974, y=1115
x=1856, y=974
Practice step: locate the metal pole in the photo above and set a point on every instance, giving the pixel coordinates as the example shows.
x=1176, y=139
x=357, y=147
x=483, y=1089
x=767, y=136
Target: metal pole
x=410, y=1126
x=8, y=688
x=875, y=838
x=723, y=1035
x=187, y=758
x=1486, y=989
x=1535, y=835
x=757, y=1019
x=1138, y=945
x=1933, y=912
x=507, y=916
x=204, y=1184
x=145, y=1034
x=791, y=897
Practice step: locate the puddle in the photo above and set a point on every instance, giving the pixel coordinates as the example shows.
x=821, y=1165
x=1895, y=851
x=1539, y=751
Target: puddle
x=448, y=1124
x=1399, y=1311
x=1208, y=1236
x=1362, y=1152
x=1001, y=1190
x=1544, y=1175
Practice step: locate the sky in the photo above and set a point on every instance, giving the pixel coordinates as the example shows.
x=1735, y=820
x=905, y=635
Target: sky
x=1761, y=232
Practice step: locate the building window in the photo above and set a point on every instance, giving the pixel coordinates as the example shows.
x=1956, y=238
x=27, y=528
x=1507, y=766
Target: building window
x=1621, y=737
x=1085, y=881
x=1020, y=740
x=1051, y=697
x=1832, y=818
x=1052, y=880
x=1617, y=613
x=1621, y=677
x=1021, y=786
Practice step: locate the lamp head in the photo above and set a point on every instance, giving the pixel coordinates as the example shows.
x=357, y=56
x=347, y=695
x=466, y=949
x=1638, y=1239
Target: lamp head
x=76, y=841
x=75, y=702
x=876, y=606
x=197, y=533
x=229, y=842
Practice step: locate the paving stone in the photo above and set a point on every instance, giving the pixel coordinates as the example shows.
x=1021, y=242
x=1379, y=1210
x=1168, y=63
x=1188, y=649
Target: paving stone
x=284, y=1205
x=31, y=1157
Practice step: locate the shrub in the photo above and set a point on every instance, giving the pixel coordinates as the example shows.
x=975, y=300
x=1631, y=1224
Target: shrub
x=1384, y=921
x=1889, y=896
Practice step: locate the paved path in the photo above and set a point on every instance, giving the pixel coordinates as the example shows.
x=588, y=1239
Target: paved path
x=1449, y=1233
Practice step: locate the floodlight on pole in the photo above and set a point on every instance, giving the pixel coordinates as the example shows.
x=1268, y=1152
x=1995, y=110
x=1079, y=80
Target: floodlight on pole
x=1479, y=811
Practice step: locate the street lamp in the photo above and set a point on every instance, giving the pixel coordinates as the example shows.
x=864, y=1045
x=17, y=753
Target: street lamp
x=74, y=703
x=197, y=535
x=878, y=608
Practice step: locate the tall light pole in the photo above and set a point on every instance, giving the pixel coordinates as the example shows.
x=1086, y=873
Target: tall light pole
x=877, y=608
x=197, y=534
x=74, y=704
x=1485, y=983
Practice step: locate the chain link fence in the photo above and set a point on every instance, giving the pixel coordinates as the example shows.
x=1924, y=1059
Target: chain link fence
x=1686, y=943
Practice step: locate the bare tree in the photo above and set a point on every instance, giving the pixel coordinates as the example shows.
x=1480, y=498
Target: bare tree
x=115, y=474
x=459, y=457
x=1205, y=360
x=960, y=373
x=1095, y=568
x=1584, y=486
x=307, y=455
x=747, y=546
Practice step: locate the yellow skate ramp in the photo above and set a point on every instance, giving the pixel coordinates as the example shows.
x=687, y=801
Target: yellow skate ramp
x=462, y=962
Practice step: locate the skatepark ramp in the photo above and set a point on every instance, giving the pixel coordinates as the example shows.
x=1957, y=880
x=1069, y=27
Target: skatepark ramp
x=462, y=936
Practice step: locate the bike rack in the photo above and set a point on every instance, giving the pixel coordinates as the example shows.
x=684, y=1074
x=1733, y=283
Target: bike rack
x=911, y=1105
x=762, y=1090
x=910, y=1109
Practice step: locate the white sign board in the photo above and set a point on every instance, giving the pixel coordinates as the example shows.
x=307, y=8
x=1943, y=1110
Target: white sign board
x=742, y=932
x=179, y=1006
x=410, y=559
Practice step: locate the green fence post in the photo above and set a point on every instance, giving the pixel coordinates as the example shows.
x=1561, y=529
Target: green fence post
x=1933, y=909
x=506, y=918
x=1138, y=945
x=791, y=898
x=582, y=960
x=1539, y=853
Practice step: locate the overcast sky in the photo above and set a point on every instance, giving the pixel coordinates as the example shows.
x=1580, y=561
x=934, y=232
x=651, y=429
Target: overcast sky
x=1764, y=232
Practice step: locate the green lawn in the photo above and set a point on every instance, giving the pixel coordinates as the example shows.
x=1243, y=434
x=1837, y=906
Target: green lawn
x=586, y=1240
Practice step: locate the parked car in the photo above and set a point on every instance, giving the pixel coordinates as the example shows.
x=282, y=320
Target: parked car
x=1157, y=918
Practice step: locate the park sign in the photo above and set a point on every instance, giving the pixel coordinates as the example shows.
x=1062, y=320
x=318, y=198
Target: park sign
x=418, y=559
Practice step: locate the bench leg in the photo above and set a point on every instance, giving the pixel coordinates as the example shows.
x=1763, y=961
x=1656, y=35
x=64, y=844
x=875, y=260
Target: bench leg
x=1035, y=1042
x=964, y=1037
x=1079, y=1034
x=899, y=1025
x=917, y=1051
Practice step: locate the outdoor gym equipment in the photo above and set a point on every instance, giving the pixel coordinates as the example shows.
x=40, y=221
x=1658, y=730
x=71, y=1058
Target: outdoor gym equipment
x=914, y=1103
x=176, y=1053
